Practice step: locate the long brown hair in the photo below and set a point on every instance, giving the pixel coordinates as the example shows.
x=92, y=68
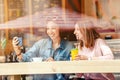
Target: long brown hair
x=89, y=33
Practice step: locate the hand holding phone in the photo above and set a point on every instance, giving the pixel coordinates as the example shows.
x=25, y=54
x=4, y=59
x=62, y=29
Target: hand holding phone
x=17, y=41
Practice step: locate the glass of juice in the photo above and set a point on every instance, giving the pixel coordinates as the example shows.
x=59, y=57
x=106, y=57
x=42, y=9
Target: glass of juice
x=74, y=53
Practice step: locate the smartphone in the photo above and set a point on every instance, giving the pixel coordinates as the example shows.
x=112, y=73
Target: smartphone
x=20, y=41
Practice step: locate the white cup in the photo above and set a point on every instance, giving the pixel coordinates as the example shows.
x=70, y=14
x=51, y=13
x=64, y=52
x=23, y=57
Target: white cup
x=37, y=59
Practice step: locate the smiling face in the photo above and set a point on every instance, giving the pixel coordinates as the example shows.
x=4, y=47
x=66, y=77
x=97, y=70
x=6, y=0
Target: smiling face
x=78, y=33
x=53, y=30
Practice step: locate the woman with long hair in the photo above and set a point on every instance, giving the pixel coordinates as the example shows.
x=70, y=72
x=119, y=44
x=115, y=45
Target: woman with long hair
x=92, y=47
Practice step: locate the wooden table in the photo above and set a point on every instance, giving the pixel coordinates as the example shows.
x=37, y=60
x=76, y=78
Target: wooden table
x=84, y=66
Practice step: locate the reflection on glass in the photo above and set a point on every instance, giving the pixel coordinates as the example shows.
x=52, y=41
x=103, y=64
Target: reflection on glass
x=2, y=46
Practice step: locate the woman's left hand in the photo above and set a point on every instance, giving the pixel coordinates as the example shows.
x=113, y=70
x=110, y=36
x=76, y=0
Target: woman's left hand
x=81, y=57
x=50, y=59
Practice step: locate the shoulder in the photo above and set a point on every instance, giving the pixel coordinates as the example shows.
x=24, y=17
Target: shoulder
x=100, y=41
x=42, y=41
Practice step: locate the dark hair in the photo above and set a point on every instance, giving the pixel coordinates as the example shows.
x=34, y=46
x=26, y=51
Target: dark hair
x=59, y=21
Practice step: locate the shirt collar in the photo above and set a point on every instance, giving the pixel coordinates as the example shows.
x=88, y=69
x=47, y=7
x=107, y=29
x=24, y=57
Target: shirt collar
x=62, y=44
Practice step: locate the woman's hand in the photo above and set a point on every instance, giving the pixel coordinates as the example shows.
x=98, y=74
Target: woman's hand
x=50, y=59
x=81, y=57
x=15, y=42
x=16, y=48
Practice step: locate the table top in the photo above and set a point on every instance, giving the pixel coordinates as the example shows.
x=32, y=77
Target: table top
x=83, y=66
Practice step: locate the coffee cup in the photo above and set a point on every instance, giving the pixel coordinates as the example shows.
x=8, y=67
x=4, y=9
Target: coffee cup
x=37, y=59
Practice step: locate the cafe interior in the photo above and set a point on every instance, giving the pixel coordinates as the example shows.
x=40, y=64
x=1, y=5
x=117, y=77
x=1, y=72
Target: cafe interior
x=27, y=20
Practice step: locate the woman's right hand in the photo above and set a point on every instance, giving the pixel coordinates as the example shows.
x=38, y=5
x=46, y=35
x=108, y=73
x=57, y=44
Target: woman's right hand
x=15, y=42
x=16, y=47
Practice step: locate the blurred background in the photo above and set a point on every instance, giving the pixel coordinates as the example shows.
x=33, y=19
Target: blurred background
x=27, y=19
